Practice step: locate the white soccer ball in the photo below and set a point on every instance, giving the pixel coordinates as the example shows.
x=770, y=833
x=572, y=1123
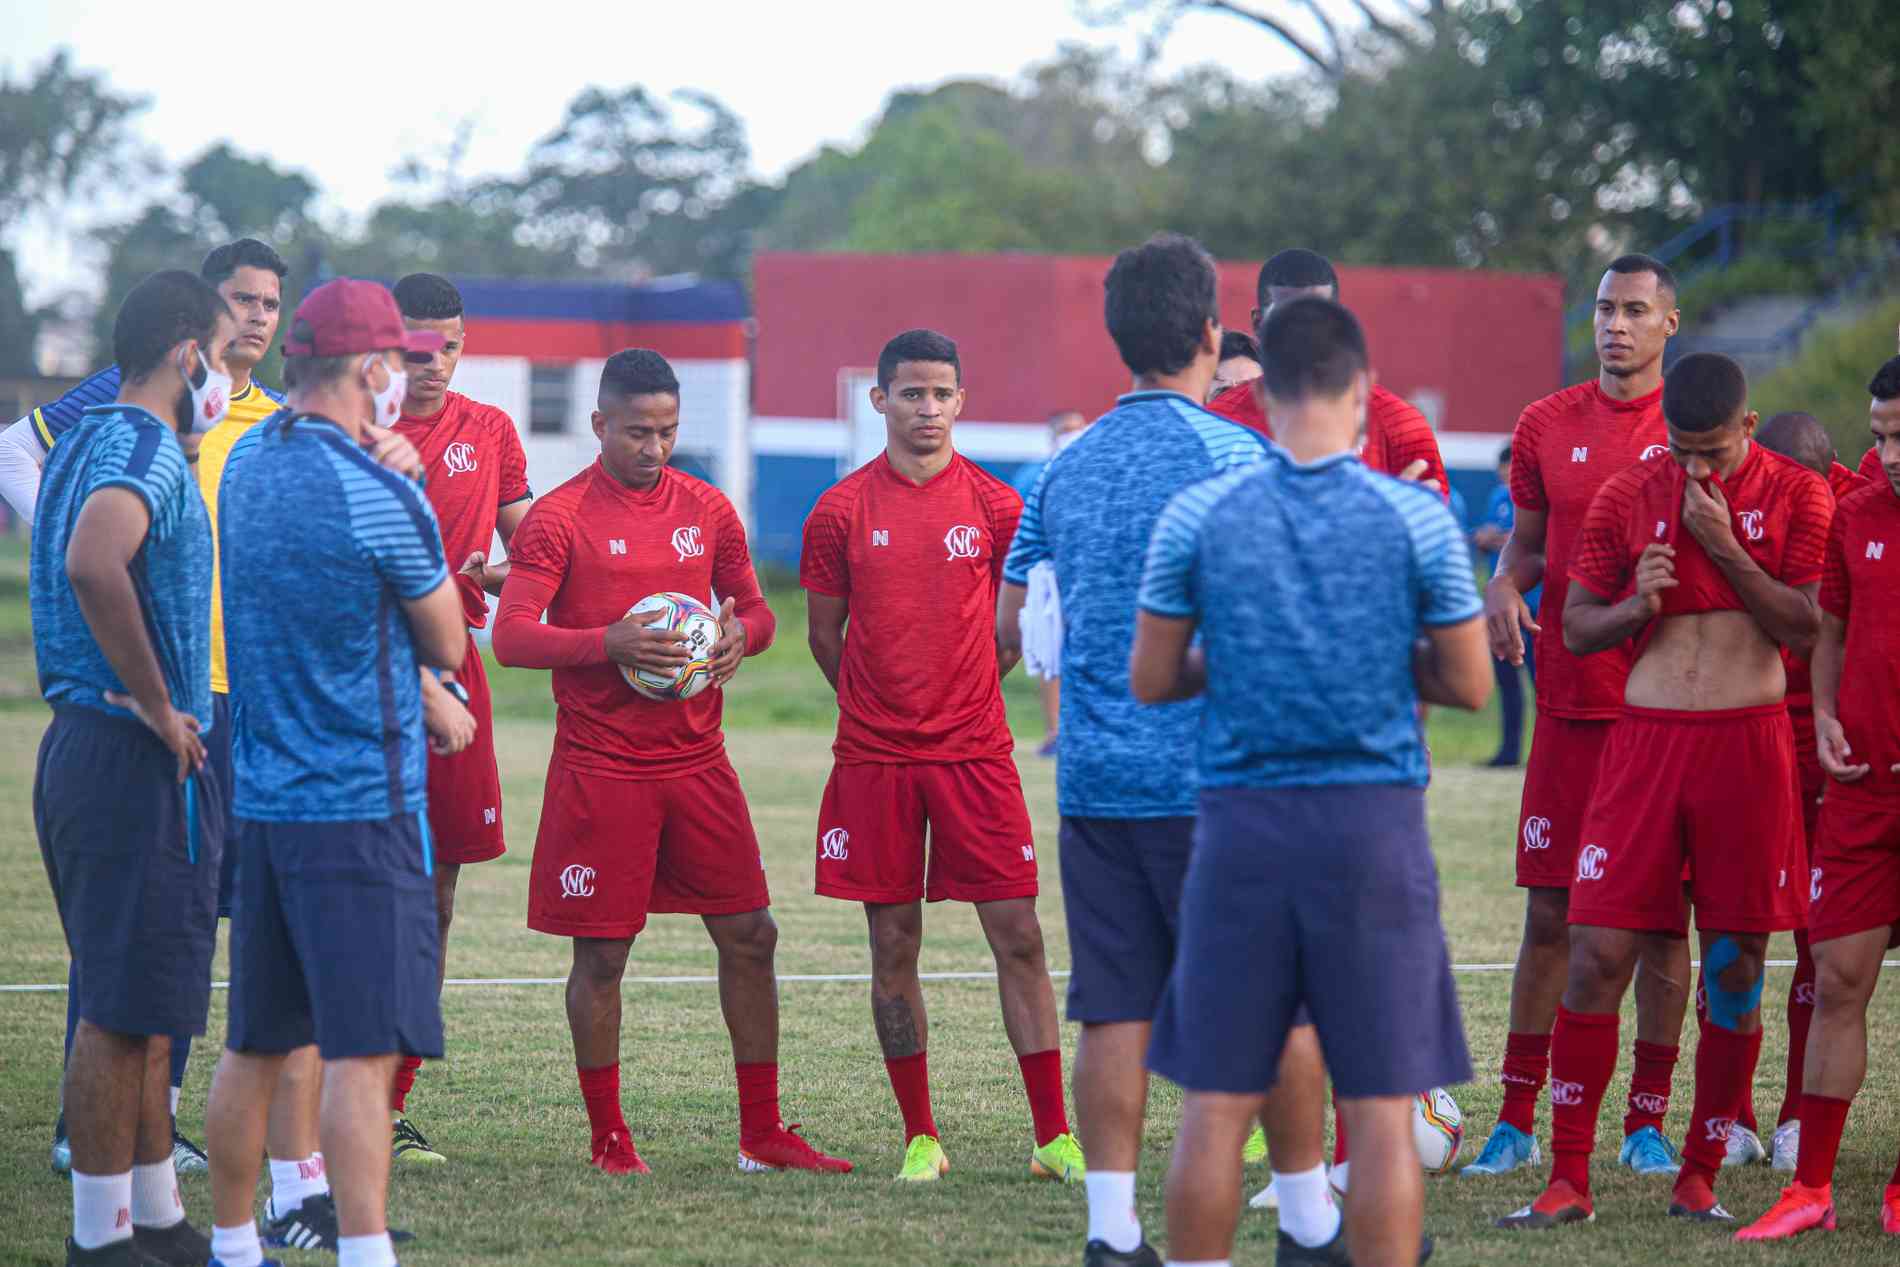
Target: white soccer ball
x=686, y=615
x=1438, y=1129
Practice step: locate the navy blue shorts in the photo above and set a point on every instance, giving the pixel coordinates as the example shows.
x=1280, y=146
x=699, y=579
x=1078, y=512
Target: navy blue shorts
x=334, y=940
x=218, y=757
x=1323, y=896
x=137, y=896
x=1121, y=892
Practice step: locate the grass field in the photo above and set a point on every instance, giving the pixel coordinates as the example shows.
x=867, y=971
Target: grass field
x=505, y=1107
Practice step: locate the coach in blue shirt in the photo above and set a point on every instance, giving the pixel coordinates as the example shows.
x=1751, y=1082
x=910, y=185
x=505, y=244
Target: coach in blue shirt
x=1329, y=602
x=335, y=592
x=127, y=813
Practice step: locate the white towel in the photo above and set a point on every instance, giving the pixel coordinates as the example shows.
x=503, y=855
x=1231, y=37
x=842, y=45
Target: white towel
x=1042, y=623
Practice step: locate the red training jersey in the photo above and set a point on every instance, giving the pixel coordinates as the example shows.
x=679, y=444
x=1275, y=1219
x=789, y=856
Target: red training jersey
x=1840, y=482
x=585, y=554
x=919, y=567
x=473, y=465
x=1563, y=449
x=1870, y=468
x=1779, y=511
x=1861, y=587
x=1397, y=434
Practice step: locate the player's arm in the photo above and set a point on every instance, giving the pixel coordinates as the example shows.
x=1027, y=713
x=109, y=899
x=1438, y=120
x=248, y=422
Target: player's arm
x=450, y=725
x=1824, y=670
x=1507, y=617
x=106, y=538
x=21, y=457
x=1593, y=623
x=1451, y=665
x=523, y=641
x=825, y=617
x=436, y=626
x=1450, y=662
x=746, y=623
x=489, y=573
x=1010, y=599
x=1165, y=664
x=1788, y=614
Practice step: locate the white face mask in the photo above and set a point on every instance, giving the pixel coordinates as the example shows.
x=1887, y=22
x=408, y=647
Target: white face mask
x=209, y=399
x=389, y=400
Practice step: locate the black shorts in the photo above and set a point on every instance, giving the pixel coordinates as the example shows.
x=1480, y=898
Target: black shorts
x=137, y=895
x=1326, y=897
x=334, y=939
x=1121, y=892
x=218, y=757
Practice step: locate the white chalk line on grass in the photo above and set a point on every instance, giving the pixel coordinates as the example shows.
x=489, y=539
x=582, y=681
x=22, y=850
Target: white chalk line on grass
x=810, y=977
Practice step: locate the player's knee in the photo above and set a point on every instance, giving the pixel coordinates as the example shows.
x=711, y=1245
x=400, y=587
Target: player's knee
x=1732, y=977
x=1547, y=920
x=752, y=937
x=1839, y=982
x=895, y=944
x=600, y=964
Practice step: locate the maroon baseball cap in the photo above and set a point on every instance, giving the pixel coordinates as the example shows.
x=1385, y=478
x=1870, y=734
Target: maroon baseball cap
x=347, y=316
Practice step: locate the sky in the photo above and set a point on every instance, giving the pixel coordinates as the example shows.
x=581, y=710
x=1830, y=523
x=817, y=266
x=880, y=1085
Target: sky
x=345, y=89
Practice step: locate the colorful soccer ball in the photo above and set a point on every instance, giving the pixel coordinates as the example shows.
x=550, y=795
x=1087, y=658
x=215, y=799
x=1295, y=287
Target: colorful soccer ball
x=687, y=615
x=1438, y=1129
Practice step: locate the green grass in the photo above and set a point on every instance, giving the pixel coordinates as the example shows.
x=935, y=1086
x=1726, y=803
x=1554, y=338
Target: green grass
x=1829, y=377
x=505, y=1107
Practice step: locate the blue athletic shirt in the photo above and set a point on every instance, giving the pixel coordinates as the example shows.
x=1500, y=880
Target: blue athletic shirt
x=1092, y=513
x=1310, y=583
x=123, y=446
x=318, y=546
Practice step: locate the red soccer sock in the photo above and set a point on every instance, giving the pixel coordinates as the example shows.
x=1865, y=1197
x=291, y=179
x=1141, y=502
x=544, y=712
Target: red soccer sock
x=600, y=1091
x=1650, y=1083
x=1340, y=1156
x=405, y=1081
x=1800, y=1016
x=1042, y=1079
x=1582, y=1060
x=758, y=1099
x=1723, y=1060
x=1823, y=1118
x=910, y=1081
x=1526, y=1065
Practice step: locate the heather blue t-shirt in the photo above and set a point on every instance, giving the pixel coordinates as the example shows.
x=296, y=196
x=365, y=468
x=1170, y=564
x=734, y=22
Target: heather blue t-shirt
x=1091, y=514
x=1309, y=584
x=123, y=446
x=318, y=546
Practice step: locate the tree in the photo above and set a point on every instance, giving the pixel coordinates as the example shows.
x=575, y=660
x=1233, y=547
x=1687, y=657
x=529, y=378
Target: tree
x=1305, y=26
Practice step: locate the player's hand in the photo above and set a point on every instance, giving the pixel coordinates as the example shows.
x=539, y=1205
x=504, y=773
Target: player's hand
x=1830, y=743
x=389, y=450
x=489, y=577
x=1705, y=515
x=450, y=725
x=638, y=646
x=1414, y=474
x=177, y=731
x=1506, y=617
x=729, y=651
x=1655, y=572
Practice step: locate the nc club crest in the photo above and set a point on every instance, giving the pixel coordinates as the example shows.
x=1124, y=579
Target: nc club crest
x=686, y=542
x=459, y=458
x=962, y=540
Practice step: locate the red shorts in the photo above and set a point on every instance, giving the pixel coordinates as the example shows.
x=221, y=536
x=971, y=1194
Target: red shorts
x=1716, y=791
x=465, y=789
x=1856, y=874
x=871, y=833
x=1557, y=782
x=612, y=851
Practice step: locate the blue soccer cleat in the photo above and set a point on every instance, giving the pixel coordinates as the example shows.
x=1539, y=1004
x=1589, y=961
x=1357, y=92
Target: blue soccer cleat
x=1648, y=1153
x=1506, y=1150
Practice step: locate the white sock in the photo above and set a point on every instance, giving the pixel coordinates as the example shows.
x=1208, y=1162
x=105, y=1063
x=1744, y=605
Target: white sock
x=1341, y=1174
x=237, y=1246
x=102, y=1209
x=292, y=1181
x=1307, y=1212
x=1112, y=1209
x=365, y=1251
x=1201, y=1262
x=175, y=1091
x=155, y=1195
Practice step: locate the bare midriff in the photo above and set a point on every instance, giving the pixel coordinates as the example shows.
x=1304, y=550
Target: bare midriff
x=1702, y=661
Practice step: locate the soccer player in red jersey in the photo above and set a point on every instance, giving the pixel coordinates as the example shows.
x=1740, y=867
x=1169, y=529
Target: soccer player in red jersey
x=1799, y=436
x=901, y=563
x=1399, y=439
x=1564, y=447
x=476, y=479
x=643, y=812
x=1856, y=864
x=1709, y=563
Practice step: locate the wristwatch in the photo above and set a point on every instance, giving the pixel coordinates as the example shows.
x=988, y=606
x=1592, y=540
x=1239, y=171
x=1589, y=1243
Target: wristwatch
x=456, y=689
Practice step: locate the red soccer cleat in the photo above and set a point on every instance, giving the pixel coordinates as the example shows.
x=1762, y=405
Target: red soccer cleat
x=1890, y=1210
x=1555, y=1206
x=1800, y=1209
x=1694, y=1199
x=616, y=1156
x=785, y=1149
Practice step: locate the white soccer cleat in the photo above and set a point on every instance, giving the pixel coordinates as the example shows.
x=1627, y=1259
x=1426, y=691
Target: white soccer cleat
x=1265, y=1199
x=1744, y=1147
x=1787, y=1145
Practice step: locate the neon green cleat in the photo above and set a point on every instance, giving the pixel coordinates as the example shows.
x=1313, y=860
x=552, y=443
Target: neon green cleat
x=1254, y=1151
x=924, y=1161
x=1060, y=1158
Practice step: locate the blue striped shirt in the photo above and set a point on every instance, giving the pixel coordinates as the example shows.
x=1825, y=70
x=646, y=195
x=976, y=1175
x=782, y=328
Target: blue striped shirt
x=123, y=446
x=1310, y=583
x=318, y=547
x=1091, y=514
